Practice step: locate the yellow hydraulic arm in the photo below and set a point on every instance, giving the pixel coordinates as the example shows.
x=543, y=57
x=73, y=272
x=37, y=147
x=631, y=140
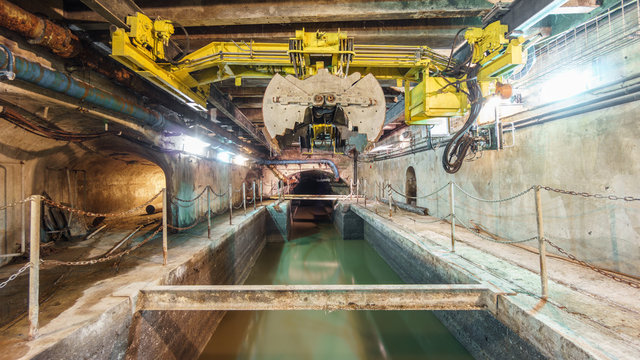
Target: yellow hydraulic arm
x=436, y=94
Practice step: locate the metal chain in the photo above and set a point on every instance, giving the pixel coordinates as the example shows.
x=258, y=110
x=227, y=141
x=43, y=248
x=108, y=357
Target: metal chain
x=92, y=214
x=185, y=228
x=14, y=276
x=194, y=199
x=181, y=205
x=102, y=259
x=216, y=194
x=238, y=207
x=587, y=195
x=477, y=233
x=16, y=203
x=420, y=197
x=594, y=268
x=495, y=201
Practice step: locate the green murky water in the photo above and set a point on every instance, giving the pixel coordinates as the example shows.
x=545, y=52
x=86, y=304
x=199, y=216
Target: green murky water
x=320, y=256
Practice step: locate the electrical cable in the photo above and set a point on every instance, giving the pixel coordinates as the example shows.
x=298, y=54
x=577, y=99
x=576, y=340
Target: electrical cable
x=456, y=149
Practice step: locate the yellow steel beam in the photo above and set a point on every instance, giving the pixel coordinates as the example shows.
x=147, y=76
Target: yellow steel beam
x=434, y=95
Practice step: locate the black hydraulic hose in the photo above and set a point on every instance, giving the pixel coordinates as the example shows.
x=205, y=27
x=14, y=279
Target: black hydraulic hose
x=456, y=149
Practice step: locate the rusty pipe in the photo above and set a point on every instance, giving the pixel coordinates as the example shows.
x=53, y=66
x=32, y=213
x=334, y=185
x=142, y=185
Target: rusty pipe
x=38, y=30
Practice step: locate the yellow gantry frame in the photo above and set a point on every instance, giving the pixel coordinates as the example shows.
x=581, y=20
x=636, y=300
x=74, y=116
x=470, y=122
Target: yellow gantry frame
x=189, y=79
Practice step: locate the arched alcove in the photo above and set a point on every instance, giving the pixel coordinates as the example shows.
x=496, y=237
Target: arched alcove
x=411, y=187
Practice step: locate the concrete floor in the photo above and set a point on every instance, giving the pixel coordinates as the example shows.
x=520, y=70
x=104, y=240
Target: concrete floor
x=77, y=299
x=600, y=313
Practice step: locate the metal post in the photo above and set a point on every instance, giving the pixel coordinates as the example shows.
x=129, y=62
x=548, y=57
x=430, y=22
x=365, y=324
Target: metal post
x=230, y=203
x=23, y=208
x=164, y=226
x=208, y=213
x=357, y=190
x=365, y=192
x=377, y=192
x=541, y=246
x=351, y=188
x=280, y=189
x=244, y=198
x=390, y=200
x=452, y=209
x=260, y=191
x=34, y=270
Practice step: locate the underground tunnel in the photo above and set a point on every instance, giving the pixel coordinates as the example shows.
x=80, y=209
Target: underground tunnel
x=344, y=180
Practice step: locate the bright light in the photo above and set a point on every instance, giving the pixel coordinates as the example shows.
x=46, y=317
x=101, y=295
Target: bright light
x=239, y=160
x=194, y=145
x=224, y=156
x=566, y=84
x=381, y=148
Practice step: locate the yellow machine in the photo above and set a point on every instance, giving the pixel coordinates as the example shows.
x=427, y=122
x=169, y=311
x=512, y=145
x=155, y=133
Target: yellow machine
x=324, y=78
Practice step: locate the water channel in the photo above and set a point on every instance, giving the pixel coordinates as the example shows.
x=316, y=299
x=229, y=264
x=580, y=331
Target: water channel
x=317, y=255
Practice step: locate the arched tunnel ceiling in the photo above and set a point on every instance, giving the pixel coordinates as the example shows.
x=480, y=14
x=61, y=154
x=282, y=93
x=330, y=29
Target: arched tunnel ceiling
x=432, y=23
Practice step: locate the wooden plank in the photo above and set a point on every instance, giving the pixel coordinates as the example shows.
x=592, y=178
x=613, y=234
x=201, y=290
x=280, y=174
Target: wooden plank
x=315, y=297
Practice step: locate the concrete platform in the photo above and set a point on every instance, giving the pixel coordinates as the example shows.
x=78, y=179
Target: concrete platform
x=587, y=314
x=91, y=312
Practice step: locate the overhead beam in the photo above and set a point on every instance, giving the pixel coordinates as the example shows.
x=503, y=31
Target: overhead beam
x=316, y=297
x=523, y=14
x=223, y=104
x=114, y=11
x=434, y=36
x=216, y=14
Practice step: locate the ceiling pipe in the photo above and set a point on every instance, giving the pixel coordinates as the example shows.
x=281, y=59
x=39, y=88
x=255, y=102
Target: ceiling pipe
x=38, y=30
x=35, y=74
x=331, y=164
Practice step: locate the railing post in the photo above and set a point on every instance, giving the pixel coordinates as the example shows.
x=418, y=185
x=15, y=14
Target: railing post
x=452, y=209
x=390, y=200
x=208, y=213
x=541, y=246
x=254, y=194
x=244, y=197
x=357, y=190
x=351, y=188
x=34, y=270
x=230, y=203
x=377, y=192
x=260, y=192
x=164, y=227
x=280, y=190
x=365, y=192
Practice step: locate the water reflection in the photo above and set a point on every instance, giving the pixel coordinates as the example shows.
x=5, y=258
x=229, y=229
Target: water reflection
x=323, y=258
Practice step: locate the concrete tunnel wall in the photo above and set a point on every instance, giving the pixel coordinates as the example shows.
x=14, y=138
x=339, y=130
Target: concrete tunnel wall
x=595, y=152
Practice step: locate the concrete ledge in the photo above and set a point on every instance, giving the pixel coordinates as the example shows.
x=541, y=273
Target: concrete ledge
x=316, y=297
x=553, y=331
x=102, y=321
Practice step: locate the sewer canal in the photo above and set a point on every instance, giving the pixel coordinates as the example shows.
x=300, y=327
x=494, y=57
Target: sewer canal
x=317, y=255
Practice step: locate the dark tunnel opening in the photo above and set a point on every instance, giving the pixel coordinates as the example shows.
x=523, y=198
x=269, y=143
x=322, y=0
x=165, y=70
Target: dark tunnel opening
x=313, y=182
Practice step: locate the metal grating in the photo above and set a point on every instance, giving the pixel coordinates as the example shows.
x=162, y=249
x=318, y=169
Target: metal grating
x=617, y=27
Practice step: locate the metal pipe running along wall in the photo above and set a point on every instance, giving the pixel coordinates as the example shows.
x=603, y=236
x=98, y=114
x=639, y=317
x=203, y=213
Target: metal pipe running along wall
x=331, y=164
x=38, y=30
x=53, y=80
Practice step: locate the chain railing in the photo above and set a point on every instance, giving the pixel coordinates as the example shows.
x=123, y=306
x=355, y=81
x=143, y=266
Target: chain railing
x=35, y=261
x=592, y=267
x=50, y=262
x=542, y=241
x=15, y=275
x=106, y=215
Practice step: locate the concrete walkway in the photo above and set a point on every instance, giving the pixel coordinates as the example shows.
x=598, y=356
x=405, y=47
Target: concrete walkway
x=78, y=302
x=599, y=313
